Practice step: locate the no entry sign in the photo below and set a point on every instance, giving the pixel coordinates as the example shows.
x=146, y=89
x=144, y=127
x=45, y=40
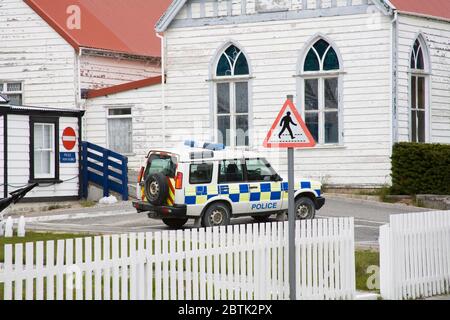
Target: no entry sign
x=69, y=138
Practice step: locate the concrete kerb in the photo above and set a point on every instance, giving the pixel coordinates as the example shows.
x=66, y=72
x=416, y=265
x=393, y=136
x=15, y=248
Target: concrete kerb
x=64, y=211
x=75, y=216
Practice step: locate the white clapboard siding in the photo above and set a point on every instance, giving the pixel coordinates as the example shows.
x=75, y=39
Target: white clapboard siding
x=274, y=49
x=241, y=262
x=100, y=72
x=220, y=8
x=436, y=34
x=36, y=54
x=147, y=127
x=415, y=255
x=19, y=159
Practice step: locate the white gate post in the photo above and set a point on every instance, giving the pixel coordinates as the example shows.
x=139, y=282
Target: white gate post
x=386, y=281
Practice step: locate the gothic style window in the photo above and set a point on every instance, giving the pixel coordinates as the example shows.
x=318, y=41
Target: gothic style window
x=321, y=92
x=418, y=93
x=232, y=98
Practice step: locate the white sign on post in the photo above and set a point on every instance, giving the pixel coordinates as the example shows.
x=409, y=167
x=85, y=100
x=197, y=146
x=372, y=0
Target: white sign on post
x=290, y=131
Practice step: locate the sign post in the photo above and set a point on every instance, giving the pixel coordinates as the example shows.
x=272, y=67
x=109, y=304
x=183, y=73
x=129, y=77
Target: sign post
x=291, y=217
x=290, y=133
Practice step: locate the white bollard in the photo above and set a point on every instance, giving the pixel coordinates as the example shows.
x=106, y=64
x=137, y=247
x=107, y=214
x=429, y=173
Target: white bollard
x=9, y=228
x=21, y=227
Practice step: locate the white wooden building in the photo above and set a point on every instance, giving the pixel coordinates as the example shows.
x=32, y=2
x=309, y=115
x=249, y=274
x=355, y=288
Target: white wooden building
x=40, y=145
x=364, y=74
x=56, y=54
x=126, y=118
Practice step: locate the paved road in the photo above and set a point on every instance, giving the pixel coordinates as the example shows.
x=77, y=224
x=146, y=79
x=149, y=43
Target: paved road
x=369, y=216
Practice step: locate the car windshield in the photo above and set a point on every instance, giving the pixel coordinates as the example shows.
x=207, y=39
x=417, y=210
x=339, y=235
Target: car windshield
x=164, y=164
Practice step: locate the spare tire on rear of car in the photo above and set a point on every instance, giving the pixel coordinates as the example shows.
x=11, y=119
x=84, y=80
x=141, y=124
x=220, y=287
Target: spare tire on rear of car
x=156, y=189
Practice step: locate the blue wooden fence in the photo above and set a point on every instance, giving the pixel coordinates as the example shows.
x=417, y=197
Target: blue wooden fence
x=105, y=168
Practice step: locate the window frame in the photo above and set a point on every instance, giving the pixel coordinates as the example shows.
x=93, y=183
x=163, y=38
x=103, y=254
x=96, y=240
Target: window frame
x=233, y=111
x=4, y=89
x=321, y=75
x=55, y=165
x=231, y=80
x=425, y=74
x=155, y=156
x=197, y=164
x=321, y=107
x=321, y=111
x=112, y=117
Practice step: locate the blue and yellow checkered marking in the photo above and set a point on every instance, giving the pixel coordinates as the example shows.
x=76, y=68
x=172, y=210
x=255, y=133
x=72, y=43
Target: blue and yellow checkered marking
x=264, y=192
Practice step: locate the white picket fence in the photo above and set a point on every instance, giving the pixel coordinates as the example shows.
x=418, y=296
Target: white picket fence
x=7, y=227
x=238, y=262
x=415, y=255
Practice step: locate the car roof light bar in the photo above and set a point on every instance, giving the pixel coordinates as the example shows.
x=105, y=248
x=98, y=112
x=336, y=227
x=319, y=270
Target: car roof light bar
x=205, y=145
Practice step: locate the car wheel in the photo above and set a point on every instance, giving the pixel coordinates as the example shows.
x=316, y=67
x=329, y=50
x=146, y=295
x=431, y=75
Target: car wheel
x=175, y=223
x=156, y=189
x=262, y=218
x=305, y=208
x=218, y=214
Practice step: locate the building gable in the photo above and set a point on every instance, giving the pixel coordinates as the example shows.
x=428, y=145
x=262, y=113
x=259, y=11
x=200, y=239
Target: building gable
x=191, y=13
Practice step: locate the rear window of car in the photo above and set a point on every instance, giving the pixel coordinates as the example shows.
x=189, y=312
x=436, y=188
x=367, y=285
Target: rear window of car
x=164, y=164
x=201, y=173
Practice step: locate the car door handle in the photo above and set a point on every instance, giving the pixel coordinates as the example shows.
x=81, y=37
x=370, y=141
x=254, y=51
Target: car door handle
x=253, y=188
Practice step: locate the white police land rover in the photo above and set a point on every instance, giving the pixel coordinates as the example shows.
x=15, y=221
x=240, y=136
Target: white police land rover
x=213, y=184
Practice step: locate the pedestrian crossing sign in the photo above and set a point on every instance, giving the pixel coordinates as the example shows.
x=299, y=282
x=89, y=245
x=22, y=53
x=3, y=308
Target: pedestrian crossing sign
x=289, y=130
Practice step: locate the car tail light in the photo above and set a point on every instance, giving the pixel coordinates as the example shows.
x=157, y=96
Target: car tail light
x=141, y=174
x=179, y=181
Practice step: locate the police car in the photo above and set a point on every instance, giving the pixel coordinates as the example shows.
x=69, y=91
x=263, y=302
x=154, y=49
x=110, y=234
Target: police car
x=212, y=185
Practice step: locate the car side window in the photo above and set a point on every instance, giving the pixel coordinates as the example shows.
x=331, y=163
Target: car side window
x=201, y=173
x=231, y=171
x=260, y=170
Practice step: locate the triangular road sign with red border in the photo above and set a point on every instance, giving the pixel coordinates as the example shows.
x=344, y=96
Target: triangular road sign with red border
x=289, y=130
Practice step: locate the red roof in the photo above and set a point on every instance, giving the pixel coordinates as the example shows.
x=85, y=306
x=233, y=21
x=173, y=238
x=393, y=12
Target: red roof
x=432, y=8
x=124, y=87
x=126, y=26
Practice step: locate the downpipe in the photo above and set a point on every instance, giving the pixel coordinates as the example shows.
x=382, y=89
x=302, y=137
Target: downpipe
x=163, y=86
x=394, y=78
